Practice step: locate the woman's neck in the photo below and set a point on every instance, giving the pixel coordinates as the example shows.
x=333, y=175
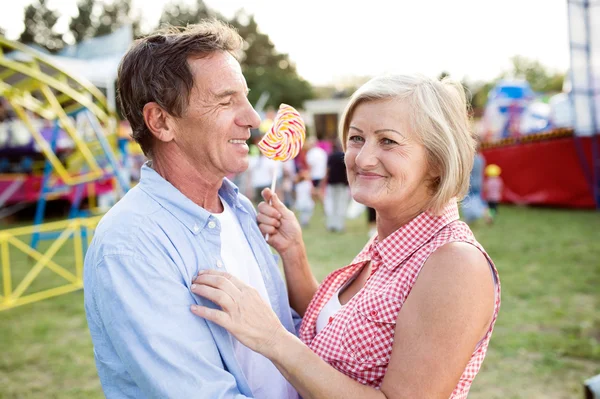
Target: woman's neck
x=390, y=220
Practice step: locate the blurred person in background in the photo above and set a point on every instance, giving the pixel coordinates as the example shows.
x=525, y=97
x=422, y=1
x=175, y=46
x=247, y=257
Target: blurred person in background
x=337, y=194
x=185, y=96
x=304, y=203
x=261, y=170
x=473, y=206
x=287, y=185
x=493, y=185
x=412, y=316
x=316, y=160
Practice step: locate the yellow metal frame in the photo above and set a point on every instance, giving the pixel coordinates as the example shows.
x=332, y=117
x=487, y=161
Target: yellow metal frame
x=59, y=92
x=38, y=86
x=9, y=240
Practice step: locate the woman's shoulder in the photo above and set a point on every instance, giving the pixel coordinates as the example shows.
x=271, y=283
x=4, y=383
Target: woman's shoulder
x=456, y=241
x=459, y=255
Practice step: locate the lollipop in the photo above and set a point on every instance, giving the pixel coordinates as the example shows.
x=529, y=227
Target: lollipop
x=285, y=138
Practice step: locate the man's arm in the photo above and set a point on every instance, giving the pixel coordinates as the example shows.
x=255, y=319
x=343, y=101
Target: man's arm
x=167, y=350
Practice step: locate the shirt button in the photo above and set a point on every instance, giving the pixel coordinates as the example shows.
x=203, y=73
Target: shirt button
x=212, y=225
x=330, y=319
x=219, y=263
x=196, y=228
x=373, y=313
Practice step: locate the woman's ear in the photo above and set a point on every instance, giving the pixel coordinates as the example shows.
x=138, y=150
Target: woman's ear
x=157, y=120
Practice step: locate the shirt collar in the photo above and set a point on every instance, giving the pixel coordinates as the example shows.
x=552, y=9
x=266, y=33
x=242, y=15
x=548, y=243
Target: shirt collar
x=398, y=246
x=191, y=215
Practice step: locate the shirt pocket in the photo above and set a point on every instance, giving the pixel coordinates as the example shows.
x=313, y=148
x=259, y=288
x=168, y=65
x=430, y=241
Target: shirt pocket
x=369, y=333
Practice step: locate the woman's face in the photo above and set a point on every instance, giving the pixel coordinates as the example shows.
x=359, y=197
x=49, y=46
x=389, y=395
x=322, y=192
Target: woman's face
x=387, y=165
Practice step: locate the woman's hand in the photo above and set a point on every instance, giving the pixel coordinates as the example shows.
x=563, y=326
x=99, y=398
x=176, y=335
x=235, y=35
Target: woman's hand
x=244, y=313
x=280, y=223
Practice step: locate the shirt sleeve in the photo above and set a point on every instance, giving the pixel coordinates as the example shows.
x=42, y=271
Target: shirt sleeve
x=167, y=350
x=297, y=321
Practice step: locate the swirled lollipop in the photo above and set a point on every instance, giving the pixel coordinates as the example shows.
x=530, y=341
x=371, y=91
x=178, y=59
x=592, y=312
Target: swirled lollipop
x=284, y=140
x=286, y=137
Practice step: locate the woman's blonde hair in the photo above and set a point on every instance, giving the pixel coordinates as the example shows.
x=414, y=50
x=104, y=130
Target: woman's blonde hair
x=438, y=117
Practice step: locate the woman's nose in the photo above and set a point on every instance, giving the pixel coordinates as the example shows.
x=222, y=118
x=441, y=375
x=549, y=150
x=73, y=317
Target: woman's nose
x=367, y=156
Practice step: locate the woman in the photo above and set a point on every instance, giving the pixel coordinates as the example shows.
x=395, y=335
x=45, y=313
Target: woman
x=412, y=315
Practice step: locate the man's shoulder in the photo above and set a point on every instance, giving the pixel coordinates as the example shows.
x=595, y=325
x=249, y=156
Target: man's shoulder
x=132, y=216
x=135, y=205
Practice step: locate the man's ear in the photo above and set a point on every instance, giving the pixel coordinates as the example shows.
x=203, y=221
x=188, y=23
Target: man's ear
x=158, y=122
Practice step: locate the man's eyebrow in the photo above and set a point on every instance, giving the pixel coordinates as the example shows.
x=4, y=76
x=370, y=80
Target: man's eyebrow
x=229, y=92
x=225, y=93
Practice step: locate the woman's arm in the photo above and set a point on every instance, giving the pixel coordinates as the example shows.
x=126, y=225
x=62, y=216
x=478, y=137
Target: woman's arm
x=285, y=235
x=312, y=377
x=300, y=281
x=447, y=312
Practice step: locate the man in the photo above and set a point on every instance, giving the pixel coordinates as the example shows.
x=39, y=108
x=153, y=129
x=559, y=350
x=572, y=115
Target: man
x=186, y=99
x=316, y=158
x=337, y=194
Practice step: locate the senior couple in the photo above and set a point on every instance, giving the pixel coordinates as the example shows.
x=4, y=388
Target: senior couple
x=183, y=296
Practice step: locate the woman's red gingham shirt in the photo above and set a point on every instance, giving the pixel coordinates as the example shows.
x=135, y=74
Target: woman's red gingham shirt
x=358, y=339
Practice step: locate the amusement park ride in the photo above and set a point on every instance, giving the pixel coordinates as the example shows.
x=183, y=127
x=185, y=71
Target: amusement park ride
x=75, y=153
x=559, y=164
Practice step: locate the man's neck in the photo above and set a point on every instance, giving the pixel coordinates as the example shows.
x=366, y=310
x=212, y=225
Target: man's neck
x=201, y=188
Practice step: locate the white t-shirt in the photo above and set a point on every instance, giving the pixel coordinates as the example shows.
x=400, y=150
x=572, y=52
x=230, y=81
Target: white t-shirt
x=262, y=169
x=236, y=253
x=316, y=158
x=304, y=199
x=238, y=260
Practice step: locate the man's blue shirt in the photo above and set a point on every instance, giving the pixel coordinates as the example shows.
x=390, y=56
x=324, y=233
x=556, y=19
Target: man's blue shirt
x=137, y=276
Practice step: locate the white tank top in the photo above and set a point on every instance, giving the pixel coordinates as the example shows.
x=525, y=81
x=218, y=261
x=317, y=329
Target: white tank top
x=330, y=308
x=333, y=305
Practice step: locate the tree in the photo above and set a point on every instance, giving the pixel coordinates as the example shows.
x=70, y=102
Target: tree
x=479, y=94
x=82, y=25
x=96, y=18
x=180, y=14
x=265, y=69
x=443, y=75
x=115, y=15
x=538, y=76
x=40, y=24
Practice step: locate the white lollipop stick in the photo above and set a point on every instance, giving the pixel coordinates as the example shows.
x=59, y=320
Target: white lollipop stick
x=273, y=184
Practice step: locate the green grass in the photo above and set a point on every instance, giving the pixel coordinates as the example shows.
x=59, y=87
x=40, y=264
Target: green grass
x=546, y=341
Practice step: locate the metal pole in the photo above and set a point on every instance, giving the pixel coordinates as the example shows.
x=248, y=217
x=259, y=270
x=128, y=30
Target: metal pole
x=593, y=110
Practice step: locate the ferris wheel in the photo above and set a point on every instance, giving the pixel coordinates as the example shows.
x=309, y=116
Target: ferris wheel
x=44, y=97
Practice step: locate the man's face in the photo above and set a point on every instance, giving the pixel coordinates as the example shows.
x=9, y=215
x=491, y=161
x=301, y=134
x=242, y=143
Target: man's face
x=213, y=130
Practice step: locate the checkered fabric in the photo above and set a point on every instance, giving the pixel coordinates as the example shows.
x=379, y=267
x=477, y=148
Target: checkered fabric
x=358, y=339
